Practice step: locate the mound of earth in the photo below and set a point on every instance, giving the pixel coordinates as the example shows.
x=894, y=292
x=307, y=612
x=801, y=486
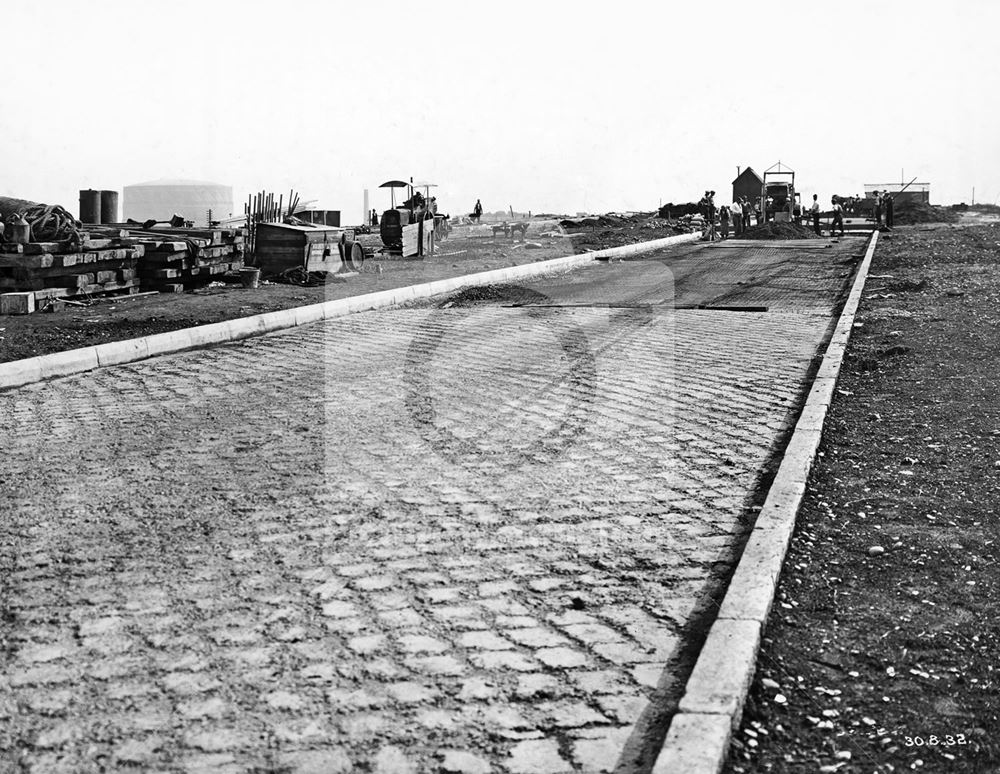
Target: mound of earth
x=671, y=210
x=486, y=294
x=775, y=230
x=908, y=212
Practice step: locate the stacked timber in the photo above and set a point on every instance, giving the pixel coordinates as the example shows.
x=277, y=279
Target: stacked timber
x=36, y=273
x=177, y=259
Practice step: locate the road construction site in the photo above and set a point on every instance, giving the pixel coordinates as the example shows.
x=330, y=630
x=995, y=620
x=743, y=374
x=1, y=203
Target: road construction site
x=486, y=531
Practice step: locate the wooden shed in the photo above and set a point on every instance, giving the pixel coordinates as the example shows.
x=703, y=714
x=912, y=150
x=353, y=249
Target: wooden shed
x=280, y=246
x=748, y=183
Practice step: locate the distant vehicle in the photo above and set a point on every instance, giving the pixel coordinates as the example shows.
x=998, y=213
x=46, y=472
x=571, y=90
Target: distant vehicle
x=418, y=208
x=780, y=201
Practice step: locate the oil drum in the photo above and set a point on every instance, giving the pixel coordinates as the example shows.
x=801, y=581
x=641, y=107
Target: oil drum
x=90, y=206
x=109, y=206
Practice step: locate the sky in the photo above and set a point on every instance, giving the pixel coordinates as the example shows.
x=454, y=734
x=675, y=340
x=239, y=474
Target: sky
x=545, y=106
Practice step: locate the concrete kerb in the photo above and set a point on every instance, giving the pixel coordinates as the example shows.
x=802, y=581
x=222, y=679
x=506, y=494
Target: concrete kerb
x=698, y=739
x=21, y=372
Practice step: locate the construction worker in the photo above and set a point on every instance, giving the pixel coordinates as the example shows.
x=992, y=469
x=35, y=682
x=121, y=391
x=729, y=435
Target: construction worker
x=737, y=213
x=707, y=204
x=838, y=216
x=888, y=203
x=815, y=213
x=878, y=210
x=477, y=211
x=724, y=221
x=745, y=206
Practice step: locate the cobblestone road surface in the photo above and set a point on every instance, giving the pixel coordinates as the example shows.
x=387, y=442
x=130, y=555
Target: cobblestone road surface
x=468, y=539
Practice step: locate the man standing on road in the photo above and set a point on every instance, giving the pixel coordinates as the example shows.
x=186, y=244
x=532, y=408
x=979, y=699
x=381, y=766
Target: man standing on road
x=838, y=216
x=477, y=211
x=708, y=211
x=878, y=210
x=737, y=213
x=815, y=213
x=887, y=200
x=746, y=213
x=724, y=221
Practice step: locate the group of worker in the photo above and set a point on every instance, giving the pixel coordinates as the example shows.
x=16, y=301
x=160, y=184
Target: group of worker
x=884, y=206
x=738, y=214
x=837, y=210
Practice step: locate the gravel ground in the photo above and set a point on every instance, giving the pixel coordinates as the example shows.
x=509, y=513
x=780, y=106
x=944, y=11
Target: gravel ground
x=880, y=654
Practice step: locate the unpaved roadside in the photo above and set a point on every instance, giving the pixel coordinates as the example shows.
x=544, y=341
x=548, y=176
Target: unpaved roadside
x=125, y=317
x=880, y=653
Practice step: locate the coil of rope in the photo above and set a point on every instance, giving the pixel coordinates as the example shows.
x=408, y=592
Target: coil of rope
x=49, y=222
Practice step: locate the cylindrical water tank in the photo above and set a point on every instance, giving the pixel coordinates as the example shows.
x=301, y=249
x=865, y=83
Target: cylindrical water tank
x=90, y=206
x=109, y=206
x=191, y=199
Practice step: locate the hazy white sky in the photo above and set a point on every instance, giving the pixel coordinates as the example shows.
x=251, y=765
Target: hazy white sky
x=542, y=106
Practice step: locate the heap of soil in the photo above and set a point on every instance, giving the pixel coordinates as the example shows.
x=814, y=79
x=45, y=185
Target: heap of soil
x=608, y=220
x=908, y=212
x=775, y=230
x=485, y=294
x=614, y=229
x=671, y=210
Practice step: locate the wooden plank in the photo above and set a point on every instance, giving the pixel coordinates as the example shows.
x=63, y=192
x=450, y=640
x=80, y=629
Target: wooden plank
x=37, y=248
x=155, y=274
x=40, y=283
x=411, y=239
x=97, y=244
x=15, y=261
x=94, y=256
x=17, y=303
x=148, y=267
x=165, y=247
x=205, y=255
x=107, y=287
x=65, y=271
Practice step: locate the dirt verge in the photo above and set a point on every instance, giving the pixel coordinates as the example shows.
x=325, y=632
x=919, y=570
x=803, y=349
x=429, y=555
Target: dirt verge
x=880, y=653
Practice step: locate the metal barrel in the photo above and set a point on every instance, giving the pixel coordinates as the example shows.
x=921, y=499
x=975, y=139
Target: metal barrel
x=109, y=206
x=90, y=206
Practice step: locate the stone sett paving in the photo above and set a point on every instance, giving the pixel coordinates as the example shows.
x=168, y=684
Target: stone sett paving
x=461, y=540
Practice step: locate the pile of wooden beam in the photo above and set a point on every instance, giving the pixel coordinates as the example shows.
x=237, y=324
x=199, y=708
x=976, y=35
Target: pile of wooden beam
x=177, y=259
x=34, y=274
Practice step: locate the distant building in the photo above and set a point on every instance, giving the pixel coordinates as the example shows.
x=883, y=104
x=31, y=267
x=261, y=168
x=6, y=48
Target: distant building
x=915, y=192
x=748, y=183
x=322, y=217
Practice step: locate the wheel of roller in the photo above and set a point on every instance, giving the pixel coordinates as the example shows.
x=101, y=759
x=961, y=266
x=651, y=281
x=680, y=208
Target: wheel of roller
x=354, y=255
x=357, y=256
